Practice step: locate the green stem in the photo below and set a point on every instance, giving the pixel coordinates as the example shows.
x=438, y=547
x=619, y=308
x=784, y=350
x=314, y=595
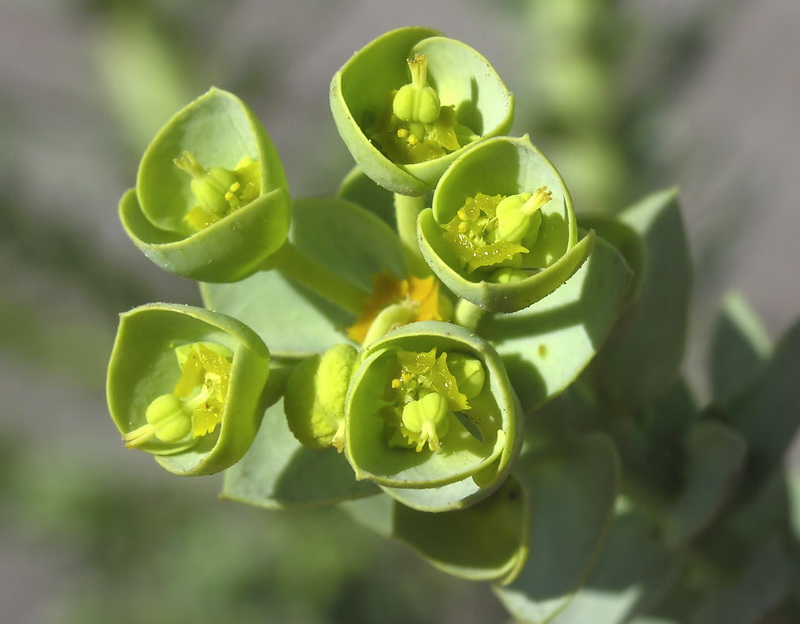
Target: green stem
x=302, y=268
x=407, y=209
x=468, y=315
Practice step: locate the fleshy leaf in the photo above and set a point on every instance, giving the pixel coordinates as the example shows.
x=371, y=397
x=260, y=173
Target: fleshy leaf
x=573, y=488
x=632, y=569
x=573, y=320
x=360, y=189
x=767, y=412
x=641, y=357
x=761, y=585
x=739, y=349
x=715, y=457
x=278, y=472
x=486, y=542
x=269, y=303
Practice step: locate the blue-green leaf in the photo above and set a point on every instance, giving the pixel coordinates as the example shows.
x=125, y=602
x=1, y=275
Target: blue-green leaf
x=715, y=457
x=279, y=472
x=359, y=189
x=633, y=569
x=641, y=358
x=572, y=488
x=739, y=348
x=760, y=586
x=547, y=345
x=767, y=412
x=485, y=542
x=347, y=240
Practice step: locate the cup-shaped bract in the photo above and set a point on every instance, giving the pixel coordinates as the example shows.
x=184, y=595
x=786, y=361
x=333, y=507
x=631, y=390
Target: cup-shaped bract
x=185, y=384
x=408, y=103
x=429, y=405
x=502, y=232
x=211, y=200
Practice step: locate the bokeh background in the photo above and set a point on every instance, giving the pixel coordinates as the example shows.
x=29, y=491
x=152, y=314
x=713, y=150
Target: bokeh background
x=626, y=97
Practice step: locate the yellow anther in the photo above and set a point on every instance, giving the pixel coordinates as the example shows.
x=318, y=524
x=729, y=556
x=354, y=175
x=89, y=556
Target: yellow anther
x=402, y=133
x=412, y=139
x=462, y=214
x=396, y=383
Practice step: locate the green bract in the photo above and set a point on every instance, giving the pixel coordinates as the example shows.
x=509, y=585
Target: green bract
x=430, y=405
x=502, y=232
x=408, y=103
x=185, y=384
x=211, y=201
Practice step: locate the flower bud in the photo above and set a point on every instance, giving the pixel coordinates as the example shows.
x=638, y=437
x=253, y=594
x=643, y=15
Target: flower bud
x=315, y=395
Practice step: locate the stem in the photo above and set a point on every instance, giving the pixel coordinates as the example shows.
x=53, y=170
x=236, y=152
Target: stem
x=468, y=315
x=302, y=268
x=407, y=209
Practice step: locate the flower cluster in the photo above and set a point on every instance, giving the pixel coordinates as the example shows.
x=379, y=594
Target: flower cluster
x=383, y=383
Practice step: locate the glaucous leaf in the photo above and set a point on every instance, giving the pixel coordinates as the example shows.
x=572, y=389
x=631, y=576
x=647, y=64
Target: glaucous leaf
x=485, y=542
x=740, y=347
x=767, y=411
x=641, y=357
x=326, y=230
x=715, y=457
x=547, y=345
x=278, y=472
x=362, y=190
x=572, y=488
x=754, y=592
x=632, y=570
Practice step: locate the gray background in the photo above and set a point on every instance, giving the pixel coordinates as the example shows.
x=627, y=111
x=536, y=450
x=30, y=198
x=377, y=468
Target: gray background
x=729, y=138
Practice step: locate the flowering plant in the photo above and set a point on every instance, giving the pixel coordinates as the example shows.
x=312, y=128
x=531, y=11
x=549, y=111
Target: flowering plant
x=490, y=376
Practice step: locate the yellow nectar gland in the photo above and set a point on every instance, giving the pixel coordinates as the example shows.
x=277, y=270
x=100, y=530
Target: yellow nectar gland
x=219, y=191
x=194, y=407
x=488, y=230
x=418, y=296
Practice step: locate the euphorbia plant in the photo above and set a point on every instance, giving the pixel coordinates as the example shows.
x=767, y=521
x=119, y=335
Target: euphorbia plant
x=488, y=377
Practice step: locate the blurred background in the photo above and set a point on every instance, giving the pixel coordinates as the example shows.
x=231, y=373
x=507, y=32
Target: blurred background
x=626, y=97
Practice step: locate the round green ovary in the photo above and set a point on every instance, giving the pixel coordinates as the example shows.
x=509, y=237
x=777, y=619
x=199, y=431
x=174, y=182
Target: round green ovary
x=196, y=404
x=427, y=393
x=415, y=127
x=425, y=421
x=487, y=232
x=218, y=191
x=417, y=102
